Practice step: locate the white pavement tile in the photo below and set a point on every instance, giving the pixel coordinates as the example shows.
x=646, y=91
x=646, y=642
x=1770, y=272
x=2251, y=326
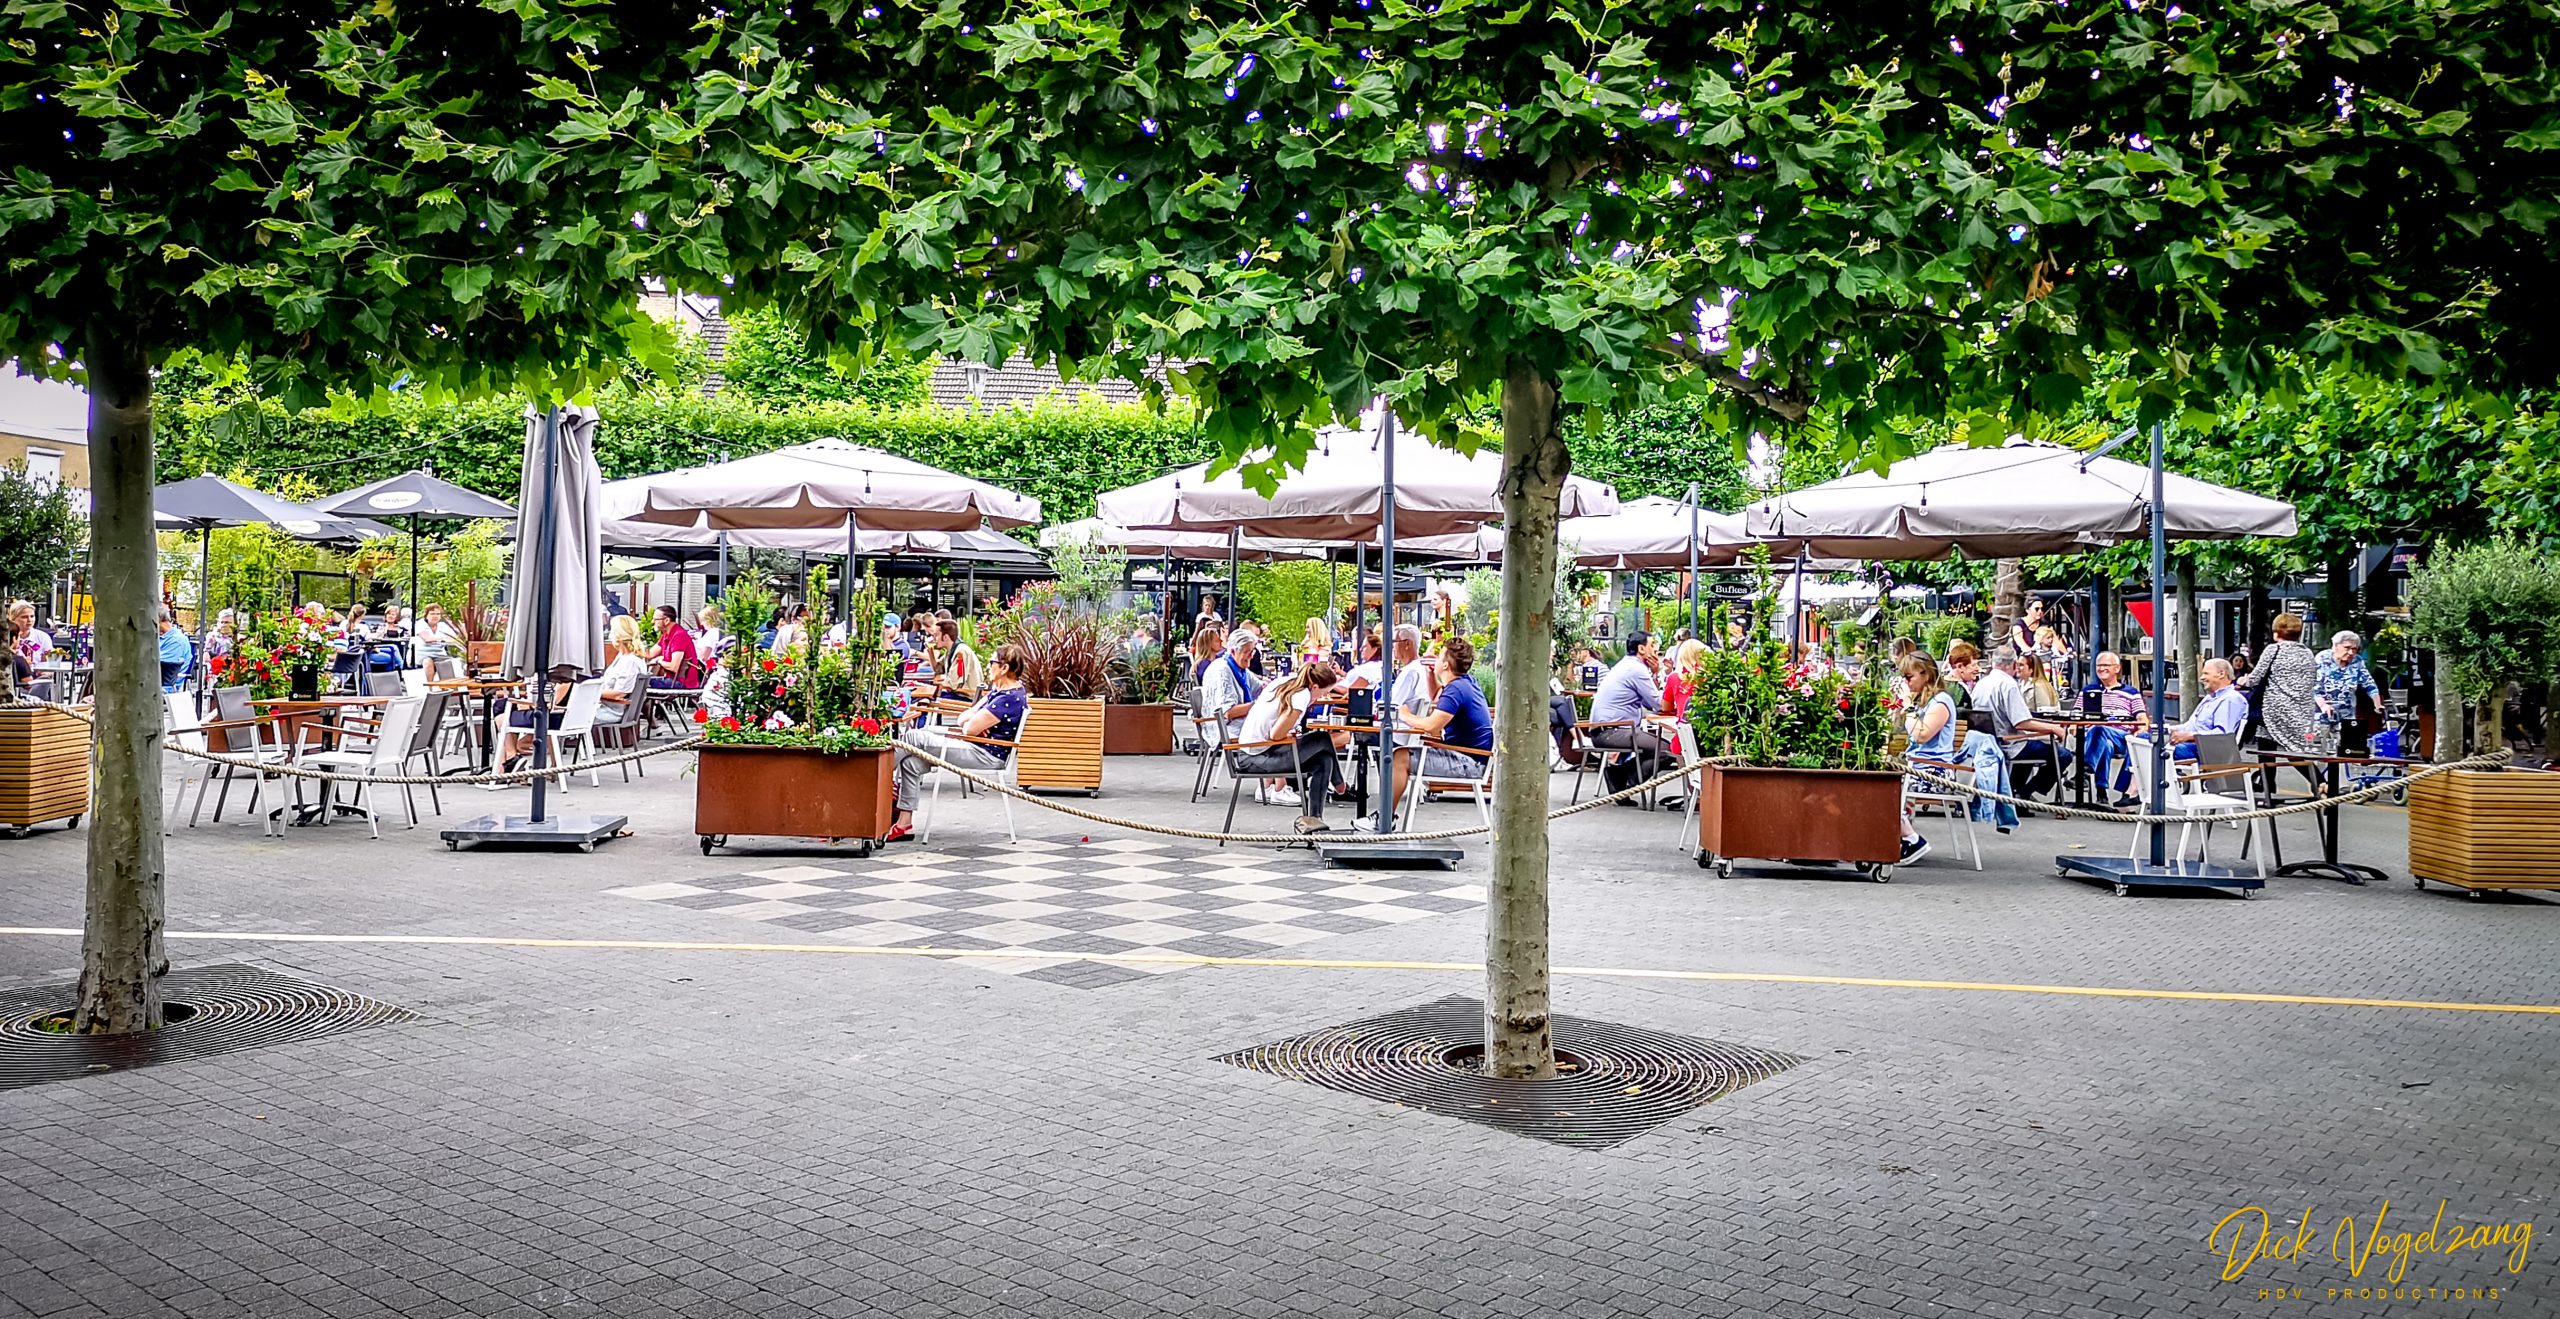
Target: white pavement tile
x=881, y=933
x=1134, y=845
x=1015, y=934
x=796, y=873
x=1143, y=911
x=1018, y=910
x=904, y=888
x=1385, y=911
x=893, y=909
x=1023, y=873
x=657, y=892
x=1265, y=911
x=1250, y=892
x=1136, y=891
x=1141, y=932
x=1282, y=936
x=1021, y=889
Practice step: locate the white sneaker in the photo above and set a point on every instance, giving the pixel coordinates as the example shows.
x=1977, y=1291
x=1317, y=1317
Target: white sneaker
x=1283, y=796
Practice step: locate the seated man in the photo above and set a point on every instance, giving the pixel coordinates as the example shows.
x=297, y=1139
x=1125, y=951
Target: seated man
x=1626, y=697
x=177, y=654
x=1458, y=717
x=2121, y=702
x=2223, y=710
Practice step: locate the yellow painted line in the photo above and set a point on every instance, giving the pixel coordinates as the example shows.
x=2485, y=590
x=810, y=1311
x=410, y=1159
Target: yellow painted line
x=1336, y=964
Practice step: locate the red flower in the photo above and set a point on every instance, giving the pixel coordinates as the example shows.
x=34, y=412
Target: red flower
x=730, y=723
x=770, y=666
x=779, y=690
x=702, y=716
x=870, y=727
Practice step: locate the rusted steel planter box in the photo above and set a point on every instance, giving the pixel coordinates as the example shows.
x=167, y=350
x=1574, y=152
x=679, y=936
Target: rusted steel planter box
x=1801, y=815
x=1062, y=747
x=793, y=793
x=44, y=767
x=2485, y=829
x=1137, y=730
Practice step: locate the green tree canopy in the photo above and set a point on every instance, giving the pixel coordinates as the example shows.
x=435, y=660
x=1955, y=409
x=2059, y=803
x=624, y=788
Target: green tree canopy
x=39, y=533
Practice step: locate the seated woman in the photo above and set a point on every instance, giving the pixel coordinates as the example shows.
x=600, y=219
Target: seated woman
x=625, y=678
x=1275, y=718
x=516, y=747
x=1686, y=659
x=1929, y=720
x=997, y=716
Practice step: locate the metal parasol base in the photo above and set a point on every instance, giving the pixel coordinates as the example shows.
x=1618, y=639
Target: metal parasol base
x=2127, y=874
x=1350, y=852
x=567, y=829
x=2345, y=872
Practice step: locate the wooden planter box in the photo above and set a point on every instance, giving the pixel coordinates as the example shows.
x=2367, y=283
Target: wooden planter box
x=1063, y=747
x=792, y=793
x=2485, y=829
x=1137, y=730
x=44, y=767
x=1801, y=815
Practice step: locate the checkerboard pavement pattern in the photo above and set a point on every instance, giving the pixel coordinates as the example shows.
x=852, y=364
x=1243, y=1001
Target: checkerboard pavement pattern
x=1049, y=899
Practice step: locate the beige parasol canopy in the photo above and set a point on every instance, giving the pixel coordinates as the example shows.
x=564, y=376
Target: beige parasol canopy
x=2008, y=501
x=817, y=485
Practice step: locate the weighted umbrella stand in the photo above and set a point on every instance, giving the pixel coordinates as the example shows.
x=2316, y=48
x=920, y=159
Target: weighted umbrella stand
x=579, y=829
x=2129, y=873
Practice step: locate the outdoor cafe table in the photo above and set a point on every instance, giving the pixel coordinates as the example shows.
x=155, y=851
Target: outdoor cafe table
x=2327, y=769
x=2078, y=727
x=290, y=719
x=1360, y=755
x=490, y=691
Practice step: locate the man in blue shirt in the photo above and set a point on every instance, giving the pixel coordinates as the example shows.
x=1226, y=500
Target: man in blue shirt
x=2223, y=710
x=1625, y=697
x=1229, y=682
x=177, y=654
x=1458, y=717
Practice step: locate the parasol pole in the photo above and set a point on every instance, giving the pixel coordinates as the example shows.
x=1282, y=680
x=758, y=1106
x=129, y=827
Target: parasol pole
x=1693, y=562
x=2159, y=730
x=204, y=603
x=546, y=540
x=852, y=564
x=1387, y=618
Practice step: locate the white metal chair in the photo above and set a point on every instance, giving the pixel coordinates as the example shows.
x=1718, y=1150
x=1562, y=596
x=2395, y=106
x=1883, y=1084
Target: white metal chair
x=1009, y=774
x=2200, y=804
x=577, y=724
x=1421, y=786
x=1230, y=752
x=186, y=733
x=386, y=751
x=1211, y=732
x=422, y=747
x=1934, y=782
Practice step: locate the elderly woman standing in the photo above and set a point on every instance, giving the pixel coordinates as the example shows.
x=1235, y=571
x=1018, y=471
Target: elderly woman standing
x=2285, y=678
x=2341, y=677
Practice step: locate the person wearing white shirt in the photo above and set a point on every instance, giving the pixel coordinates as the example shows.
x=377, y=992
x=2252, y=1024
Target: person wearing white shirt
x=2000, y=700
x=1275, y=717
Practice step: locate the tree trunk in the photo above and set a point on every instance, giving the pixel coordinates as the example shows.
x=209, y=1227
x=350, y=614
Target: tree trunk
x=121, y=956
x=2448, y=712
x=2008, y=601
x=2190, y=645
x=2493, y=720
x=2261, y=615
x=1517, y=1041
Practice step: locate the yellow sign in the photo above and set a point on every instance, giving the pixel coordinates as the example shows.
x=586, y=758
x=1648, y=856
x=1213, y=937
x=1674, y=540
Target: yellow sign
x=2377, y=1253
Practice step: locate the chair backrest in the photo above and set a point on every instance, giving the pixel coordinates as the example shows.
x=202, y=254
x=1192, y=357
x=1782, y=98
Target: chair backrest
x=231, y=705
x=579, y=716
x=413, y=682
x=488, y=655
x=186, y=730
x=2144, y=753
x=399, y=730
x=2219, y=749
x=431, y=710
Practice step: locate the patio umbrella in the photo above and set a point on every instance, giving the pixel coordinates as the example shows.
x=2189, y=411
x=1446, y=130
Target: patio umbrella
x=1341, y=492
x=2009, y=501
x=1170, y=544
x=1652, y=532
x=202, y=503
x=556, y=601
x=415, y=495
x=823, y=483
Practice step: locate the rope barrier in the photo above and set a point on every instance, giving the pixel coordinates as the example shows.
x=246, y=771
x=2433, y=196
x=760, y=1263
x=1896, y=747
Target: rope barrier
x=1937, y=778
x=2486, y=760
x=286, y=769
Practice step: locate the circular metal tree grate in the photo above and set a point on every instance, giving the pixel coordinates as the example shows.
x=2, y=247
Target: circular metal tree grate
x=211, y=1010
x=1614, y=1082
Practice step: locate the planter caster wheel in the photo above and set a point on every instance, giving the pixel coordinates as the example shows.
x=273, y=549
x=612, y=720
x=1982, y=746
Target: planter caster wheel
x=710, y=841
x=1724, y=867
x=2122, y=890
x=865, y=847
x=2400, y=796
x=1706, y=860
x=452, y=845
x=1881, y=872
x=2475, y=894
x=1091, y=793
x=587, y=848
x=75, y=820
x=2248, y=893
x=2419, y=882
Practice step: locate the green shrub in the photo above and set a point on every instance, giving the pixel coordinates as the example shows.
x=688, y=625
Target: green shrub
x=2493, y=609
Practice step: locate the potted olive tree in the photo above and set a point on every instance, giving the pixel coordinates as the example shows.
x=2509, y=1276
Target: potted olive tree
x=804, y=748
x=2491, y=613
x=1813, y=742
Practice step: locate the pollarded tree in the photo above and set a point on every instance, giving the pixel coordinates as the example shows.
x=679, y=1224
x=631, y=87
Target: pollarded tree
x=344, y=196
x=1881, y=212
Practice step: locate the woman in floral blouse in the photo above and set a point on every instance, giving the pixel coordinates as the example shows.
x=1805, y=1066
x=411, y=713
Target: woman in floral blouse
x=2284, y=677
x=2342, y=677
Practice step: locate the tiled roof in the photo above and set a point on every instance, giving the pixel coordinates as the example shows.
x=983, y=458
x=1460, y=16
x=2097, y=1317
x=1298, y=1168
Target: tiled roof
x=1017, y=382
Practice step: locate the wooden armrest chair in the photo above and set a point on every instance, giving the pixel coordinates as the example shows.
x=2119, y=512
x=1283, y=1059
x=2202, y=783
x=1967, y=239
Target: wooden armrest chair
x=1936, y=784
x=1008, y=774
x=1420, y=784
x=1232, y=752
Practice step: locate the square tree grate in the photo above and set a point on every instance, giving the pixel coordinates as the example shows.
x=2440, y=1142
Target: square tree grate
x=208, y=1010
x=1615, y=1082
